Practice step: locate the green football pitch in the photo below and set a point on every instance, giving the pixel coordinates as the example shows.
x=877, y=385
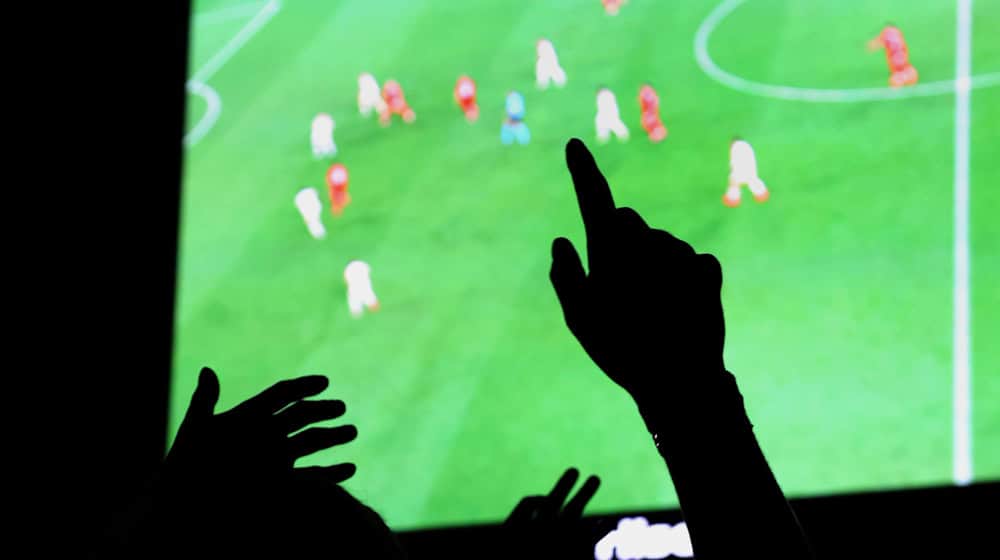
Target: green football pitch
x=467, y=389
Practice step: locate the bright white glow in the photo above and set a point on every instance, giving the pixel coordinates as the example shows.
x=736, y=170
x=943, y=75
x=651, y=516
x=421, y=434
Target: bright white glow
x=636, y=539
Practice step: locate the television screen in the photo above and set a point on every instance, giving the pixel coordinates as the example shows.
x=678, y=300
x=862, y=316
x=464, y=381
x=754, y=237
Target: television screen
x=371, y=189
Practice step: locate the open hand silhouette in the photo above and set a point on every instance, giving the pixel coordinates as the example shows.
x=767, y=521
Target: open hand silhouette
x=258, y=438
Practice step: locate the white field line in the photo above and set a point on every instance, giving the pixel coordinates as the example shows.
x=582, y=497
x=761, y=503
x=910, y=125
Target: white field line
x=961, y=353
x=221, y=15
x=961, y=86
x=813, y=95
x=196, y=85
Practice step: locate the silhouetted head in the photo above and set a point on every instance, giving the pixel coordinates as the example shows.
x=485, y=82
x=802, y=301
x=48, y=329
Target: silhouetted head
x=298, y=517
x=329, y=522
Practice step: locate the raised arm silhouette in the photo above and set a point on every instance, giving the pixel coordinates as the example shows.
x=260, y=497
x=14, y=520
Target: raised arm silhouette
x=648, y=312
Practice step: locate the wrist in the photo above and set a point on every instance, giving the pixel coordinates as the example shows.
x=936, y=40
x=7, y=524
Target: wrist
x=712, y=402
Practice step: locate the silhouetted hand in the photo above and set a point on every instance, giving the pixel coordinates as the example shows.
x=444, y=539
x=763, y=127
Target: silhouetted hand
x=229, y=481
x=648, y=312
x=257, y=439
x=548, y=526
x=552, y=507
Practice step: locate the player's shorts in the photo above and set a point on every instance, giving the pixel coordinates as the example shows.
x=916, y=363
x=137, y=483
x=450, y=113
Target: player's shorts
x=650, y=120
x=514, y=131
x=323, y=144
x=359, y=298
x=743, y=177
x=905, y=76
x=467, y=104
x=368, y=104
x=398, y=107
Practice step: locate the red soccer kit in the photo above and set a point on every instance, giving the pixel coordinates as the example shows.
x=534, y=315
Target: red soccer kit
x=896, y=52
x=465, y=95
x=395, y=101
x=336, y=181
x=649, y=103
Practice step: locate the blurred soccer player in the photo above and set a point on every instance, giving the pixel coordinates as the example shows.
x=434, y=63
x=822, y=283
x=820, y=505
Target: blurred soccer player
x=395, y=104
x=612, y=6
x=307, y=201
x=360, y=294
x=336, y=181
x=608, y=118
x=369, y=95
x=901, y=72
x=513, y=128
x=322, y=136
x=649, y=104
x=547, y=69
x=743, y=171
x=465, y=95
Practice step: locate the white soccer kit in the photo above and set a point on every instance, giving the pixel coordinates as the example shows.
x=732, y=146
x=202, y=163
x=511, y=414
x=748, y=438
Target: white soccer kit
x=369, y=95
x=547, y=69
x=608, y=119
x=743, y=171
x=309, y=206
x=322, y=136
x=359, y=288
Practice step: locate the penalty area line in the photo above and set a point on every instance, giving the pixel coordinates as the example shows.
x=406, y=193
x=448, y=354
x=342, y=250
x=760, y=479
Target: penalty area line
x=197, y=85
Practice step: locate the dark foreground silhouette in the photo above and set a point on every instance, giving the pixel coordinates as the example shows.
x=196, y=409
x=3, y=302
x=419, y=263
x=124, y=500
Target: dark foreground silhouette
x=647, y=310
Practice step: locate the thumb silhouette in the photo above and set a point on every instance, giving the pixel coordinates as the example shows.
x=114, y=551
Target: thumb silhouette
x=568, y=279
x=204, y=399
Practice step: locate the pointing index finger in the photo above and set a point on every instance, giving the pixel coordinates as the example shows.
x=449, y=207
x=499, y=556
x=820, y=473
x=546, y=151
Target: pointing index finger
x=597, y=206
